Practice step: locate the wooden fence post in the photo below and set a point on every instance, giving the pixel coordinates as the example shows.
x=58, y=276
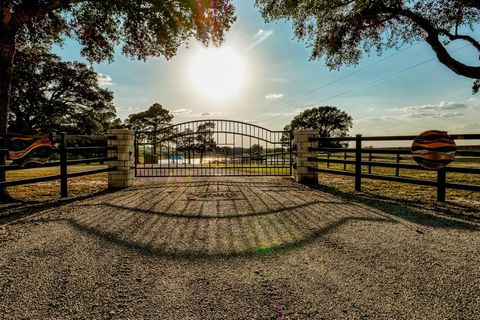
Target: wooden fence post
x=358, y=163
x=63, y=166
x=441, y=180
x=397, y=169
x=370, y=160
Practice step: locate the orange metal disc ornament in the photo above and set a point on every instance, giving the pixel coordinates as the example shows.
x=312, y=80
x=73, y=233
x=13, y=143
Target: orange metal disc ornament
x=433, y=149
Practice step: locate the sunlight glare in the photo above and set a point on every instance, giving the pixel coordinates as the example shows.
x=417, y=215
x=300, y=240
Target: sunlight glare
x=217, y=73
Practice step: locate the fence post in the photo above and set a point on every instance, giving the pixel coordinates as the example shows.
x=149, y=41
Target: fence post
x=345, y=158
x=123, y=173
x=302, y=172
x=358, y=163
x=370, y=160
x=397, y=169
x=441, y=180
x=63, y=165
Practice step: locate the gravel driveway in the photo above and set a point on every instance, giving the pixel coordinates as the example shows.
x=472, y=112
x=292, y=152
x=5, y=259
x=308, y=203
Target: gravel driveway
x=237, y=248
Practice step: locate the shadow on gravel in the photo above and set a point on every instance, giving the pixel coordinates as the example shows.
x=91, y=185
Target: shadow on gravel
x=20, y=209
x=222, y=219
x=205, y=219
x=408, y=211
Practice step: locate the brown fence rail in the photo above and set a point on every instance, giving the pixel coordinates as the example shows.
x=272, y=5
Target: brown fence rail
x=63, y=150
x=362, y=157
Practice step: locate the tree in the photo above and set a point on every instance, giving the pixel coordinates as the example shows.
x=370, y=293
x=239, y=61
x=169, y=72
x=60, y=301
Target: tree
x=49, y=94
x=186, y=142
x=256, y=151
x=329, y=121
x=205, y=139
x=153, y=119
x=116, y=123
x=143, y=27
x=340, y=30
x=151, y=123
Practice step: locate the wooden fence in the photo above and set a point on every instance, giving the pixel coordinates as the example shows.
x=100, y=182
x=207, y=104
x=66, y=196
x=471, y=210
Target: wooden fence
x=366, y=156
x=65, y=154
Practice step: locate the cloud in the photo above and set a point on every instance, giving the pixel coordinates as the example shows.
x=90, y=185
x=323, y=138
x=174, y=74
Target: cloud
x=104, y=80
x=257, y=122
x=210, y=114
x=274, y=96
x=261, y=36
x=471, y=126
x=278, y=79
x=190, y=113
x=440, y=110
x=286, y=113
x=374, y=119
x=179, y=111
x=444, y=105
x=436, y=115
x=126, y=108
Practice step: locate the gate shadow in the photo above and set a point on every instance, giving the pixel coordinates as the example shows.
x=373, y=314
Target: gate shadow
x=229, y=219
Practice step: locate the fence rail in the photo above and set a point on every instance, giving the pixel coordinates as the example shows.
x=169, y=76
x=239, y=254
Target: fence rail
x=360, y=156
x=63, y=150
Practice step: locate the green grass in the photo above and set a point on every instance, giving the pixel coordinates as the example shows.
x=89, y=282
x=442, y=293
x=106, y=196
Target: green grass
x=407, y=192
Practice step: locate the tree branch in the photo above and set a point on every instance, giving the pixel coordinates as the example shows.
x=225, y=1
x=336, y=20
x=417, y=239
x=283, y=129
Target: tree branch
x=452, y=37
x=470, y=3
x=433, y=40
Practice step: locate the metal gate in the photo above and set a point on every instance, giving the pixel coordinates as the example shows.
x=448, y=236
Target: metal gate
x=213, y=148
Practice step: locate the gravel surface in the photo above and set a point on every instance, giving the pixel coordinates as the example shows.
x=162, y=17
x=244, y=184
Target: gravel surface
x=237, y=248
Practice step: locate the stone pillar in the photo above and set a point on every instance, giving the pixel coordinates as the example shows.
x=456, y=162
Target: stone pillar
x=300, y=139
x=122, y=177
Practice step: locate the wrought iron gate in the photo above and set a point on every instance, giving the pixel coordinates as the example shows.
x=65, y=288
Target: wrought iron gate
x=213, y=148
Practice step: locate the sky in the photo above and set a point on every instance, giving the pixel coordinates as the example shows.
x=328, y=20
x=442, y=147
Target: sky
x=405, y=91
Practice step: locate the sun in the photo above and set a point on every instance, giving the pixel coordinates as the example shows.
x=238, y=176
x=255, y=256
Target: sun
x=217, y=73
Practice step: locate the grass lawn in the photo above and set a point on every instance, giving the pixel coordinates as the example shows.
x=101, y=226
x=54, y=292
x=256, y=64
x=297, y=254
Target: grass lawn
x=46, y=191
x=463, y=200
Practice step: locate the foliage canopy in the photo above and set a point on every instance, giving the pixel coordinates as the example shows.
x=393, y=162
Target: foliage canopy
x=340, y=31
x=49, y=94
x=153, y=119
x=329, y=121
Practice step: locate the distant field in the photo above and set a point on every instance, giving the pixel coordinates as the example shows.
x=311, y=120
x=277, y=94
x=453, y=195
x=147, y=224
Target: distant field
x=50, y=190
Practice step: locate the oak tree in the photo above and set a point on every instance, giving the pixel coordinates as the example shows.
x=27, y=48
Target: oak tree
x=340, y=31
x=152, y=125
x=49, y=94
x=205, y=139
x=142, y=28
x=329, y=121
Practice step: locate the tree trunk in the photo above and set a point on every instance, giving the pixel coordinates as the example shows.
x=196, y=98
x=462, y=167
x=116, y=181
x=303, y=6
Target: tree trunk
x=154, y=155
x=7, y=54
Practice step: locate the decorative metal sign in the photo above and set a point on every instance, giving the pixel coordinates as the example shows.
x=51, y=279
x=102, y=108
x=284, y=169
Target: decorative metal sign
x=433, y=149
x=29, y=150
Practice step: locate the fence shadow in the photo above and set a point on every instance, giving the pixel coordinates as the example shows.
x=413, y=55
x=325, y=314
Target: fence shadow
x=407, y=210
x=20, y=209
x=219, y=218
